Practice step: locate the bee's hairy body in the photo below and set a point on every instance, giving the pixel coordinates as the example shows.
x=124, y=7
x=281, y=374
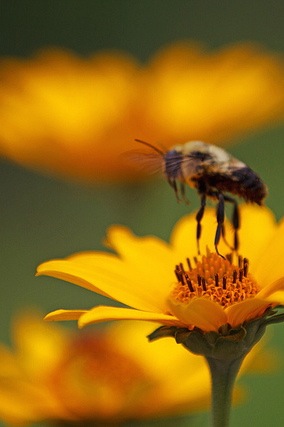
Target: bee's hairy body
x=213, y=173
x=211, y=170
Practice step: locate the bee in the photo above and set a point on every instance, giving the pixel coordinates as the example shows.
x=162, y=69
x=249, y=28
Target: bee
x=215, y=174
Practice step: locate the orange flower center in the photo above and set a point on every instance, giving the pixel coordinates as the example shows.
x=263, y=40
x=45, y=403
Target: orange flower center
x=216, y=278
x=95, y=380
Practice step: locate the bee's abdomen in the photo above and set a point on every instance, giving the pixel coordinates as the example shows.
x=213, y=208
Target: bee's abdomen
x=250, y=186
x=243, y=182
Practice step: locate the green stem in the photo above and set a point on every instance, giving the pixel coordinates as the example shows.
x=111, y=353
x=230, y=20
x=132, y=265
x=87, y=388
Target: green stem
x=223, y=376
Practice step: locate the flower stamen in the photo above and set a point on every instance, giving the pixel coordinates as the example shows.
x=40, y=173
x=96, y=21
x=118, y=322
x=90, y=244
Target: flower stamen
x=189, y=263
x=199, y=280
x=216, y=278
x=246, y=265
x=189, y=283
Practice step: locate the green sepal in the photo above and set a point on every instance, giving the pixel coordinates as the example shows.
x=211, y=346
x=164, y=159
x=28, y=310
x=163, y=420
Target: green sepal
x=226, y=343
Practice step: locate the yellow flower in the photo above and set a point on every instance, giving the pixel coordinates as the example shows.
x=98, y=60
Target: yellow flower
x=74, y=116
x=209, y=294
x=107, y=375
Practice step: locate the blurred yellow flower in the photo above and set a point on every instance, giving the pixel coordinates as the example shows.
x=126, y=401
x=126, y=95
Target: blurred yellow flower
x=107, y=375
x=209, y=294
x=74, y=116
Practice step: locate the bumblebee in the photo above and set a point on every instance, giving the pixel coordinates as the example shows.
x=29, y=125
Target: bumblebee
x=215, y=174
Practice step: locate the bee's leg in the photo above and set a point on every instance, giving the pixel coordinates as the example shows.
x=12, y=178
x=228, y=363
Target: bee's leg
x=220, y=214
x=198, y=218
x=225, y=239
x=235, y=220
x=182, y=193
x=173, y=184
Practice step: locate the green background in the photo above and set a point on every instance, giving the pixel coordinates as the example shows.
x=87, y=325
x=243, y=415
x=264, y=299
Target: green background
x=43, y=218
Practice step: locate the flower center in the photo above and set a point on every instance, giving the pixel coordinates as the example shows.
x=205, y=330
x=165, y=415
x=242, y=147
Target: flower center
x=95, y=380
x=216, y=278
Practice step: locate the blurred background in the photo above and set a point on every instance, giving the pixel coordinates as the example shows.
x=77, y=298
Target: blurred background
x=43, y=216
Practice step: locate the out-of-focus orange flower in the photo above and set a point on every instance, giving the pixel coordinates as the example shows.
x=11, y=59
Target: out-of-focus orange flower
x=74, y=116
x=106, y=376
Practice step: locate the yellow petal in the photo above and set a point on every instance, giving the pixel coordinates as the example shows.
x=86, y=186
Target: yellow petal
x=253, y=219
x=65, y=314
x=142, y=252
x=183, y=237
x=174, y=394
x=51, y=341
x=8, y=363
x=75, y=103
x=147, y=263
x=241, y=72
x=200, y=312
x=131, y=336
x=109, y=276
x=24, y=401
x=258, y=226
x=277, y=298
x=270, y=265
x=270, y=290
x=246, y=310
x=105, y=313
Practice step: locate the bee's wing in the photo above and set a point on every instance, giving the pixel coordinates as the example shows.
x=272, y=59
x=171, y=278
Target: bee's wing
x=231, y=168
x=191, y=166
x=149, y=162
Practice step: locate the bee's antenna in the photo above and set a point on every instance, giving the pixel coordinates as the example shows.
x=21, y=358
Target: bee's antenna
x=151, y=146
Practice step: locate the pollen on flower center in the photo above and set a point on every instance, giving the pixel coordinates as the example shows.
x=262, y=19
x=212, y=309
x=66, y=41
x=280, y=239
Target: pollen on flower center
x=216, y=278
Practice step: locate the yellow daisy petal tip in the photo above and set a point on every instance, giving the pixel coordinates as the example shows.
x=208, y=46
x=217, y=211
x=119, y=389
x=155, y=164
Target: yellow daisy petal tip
x=115, y=233
x=107, y=313
x=61, y=314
